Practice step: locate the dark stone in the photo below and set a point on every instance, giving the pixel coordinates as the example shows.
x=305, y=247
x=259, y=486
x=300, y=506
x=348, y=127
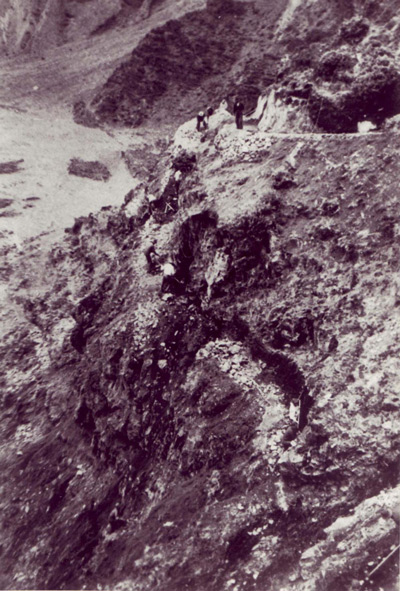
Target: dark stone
x=289, y=435
x=84, y=116
x=330, y=208
x=354, y=30
x=84, y=417
x=333, y=344
x=372, y=97
x=332, y=64
x=77, y=338
x=59, y=494
x=5, y=203
x=92, y=170
x=240, y=545
x=324, y=233
x=10, y=167
x=185, y=162
x=283, y=179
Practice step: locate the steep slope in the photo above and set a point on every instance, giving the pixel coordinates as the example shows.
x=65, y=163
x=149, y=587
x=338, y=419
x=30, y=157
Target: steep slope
x=31, y=26
x=62, y=69
x=244, y=48
x=352, y=73
x=235, y=426
x=197, y=59
x=239, y=431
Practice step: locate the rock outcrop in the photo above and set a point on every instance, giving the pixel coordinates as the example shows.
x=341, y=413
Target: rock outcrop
x=246, y=49
x=231, y=423
x=239, y=430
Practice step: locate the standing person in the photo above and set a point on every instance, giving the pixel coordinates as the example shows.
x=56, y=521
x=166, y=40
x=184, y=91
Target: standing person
x=152, y=258
x=169, y=280
x=238, y=109
x=210, y=112
x=201, y=121
x=177, y=179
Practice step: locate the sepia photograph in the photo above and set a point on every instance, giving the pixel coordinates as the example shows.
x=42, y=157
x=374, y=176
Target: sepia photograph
x=199, y=295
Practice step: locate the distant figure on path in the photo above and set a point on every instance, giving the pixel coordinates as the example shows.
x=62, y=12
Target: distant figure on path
x=177, y=179
x=201, y=121
x=238, y=109
x=152, y=258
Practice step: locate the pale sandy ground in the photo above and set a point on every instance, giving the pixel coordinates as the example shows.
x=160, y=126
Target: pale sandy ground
x=36, y=125
x=46, y=144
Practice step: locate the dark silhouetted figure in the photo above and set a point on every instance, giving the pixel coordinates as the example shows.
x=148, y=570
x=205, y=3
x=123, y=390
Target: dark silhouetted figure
x=238, y=109
x=152, y=258
x=201, y=121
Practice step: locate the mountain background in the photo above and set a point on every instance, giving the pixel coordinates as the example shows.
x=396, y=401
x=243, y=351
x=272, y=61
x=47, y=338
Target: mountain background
x=238, y=430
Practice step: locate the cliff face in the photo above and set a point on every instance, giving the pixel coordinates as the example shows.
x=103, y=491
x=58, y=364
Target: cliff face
x=207, y=437
x=59, y=53
x=235, y=426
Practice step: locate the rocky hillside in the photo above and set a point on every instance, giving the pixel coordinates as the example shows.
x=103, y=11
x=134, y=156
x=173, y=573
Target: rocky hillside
x=62, y=64
x=32, y=26
x=201, y=58
x=239, y=430
x=247, y=48
x=234, y=426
